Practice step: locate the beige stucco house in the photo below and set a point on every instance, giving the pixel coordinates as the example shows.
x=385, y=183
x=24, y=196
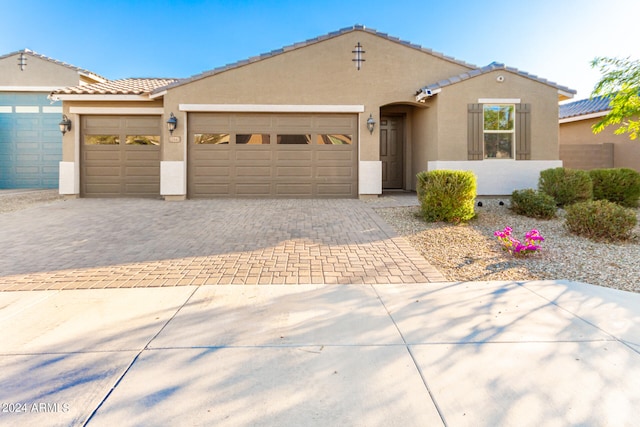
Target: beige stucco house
x=348, y=114
x=30, y=143
x=580, y=148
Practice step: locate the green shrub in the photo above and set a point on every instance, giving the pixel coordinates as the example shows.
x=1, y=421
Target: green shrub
x=534, y=204
x=600, y=220
x=566, y=185
x=447, y=195
x=618, y=185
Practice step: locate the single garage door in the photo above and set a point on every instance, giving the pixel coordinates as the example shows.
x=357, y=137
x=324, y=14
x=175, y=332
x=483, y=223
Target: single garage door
x=120, y=156
x=30, y=140
x=272, y=155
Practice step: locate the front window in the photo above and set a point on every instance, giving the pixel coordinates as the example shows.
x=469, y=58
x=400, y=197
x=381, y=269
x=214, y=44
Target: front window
x=499, y=131
x=143, y=140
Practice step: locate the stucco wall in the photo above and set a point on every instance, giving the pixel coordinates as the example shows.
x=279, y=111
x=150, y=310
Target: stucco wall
x=452, y=112
x=324, y=74
x=37, y=72
x=581, y=148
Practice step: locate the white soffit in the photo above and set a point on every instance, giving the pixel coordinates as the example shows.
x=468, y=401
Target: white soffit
x=116, y=110
x=92, y=97
x=584, y=117
x=28, y=88
x=270, y=108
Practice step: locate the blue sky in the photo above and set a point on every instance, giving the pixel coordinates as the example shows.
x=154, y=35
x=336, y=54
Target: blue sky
x=555, y=40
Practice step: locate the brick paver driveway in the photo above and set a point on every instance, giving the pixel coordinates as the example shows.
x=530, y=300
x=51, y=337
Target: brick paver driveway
x=90, y=243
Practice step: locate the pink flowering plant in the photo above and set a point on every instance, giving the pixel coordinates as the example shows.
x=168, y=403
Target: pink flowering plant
x=532, y=241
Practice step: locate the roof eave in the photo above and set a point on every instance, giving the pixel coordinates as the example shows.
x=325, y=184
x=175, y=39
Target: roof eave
x=98, y=97
x=584, y=117
x=564, y=94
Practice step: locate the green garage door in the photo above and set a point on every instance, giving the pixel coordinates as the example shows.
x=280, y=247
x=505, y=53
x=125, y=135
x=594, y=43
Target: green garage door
x=120, y=156
x=272, y=155
x=30, y=140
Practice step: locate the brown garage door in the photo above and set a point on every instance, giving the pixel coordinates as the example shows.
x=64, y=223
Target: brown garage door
x=272, y=155
x=120, y=156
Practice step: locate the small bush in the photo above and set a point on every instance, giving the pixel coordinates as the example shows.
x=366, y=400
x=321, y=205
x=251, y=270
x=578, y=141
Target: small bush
x=534, y=204
x=600, y=220
x=619, y=185
x=566, y=185
x=447, y=195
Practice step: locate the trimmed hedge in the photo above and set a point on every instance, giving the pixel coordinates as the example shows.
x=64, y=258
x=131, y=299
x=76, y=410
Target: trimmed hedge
x=534, y=204
x=566, y=185
x=617, y=185
x=447, y=195
x=600, y=220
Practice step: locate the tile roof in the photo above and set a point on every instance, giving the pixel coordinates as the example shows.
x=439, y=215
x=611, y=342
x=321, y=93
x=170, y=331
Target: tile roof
x=584, y=107
x=55, y=61
x=133, y=86
x=484, y=70
x=311, y=42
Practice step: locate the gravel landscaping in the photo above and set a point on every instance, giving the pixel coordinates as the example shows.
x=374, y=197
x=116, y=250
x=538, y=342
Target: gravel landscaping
x=471, y=252
x=14, y=200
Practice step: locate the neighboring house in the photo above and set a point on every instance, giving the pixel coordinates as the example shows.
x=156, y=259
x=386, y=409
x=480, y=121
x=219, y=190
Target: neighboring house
x=30, y=140
x=580, y=148
x=348, y=114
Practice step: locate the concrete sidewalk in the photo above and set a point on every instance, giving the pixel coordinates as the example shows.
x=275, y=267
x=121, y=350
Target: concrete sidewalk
x=477, y=354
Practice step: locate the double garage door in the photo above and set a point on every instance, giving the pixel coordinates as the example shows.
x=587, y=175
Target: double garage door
x=229, y=155
x=272, y=155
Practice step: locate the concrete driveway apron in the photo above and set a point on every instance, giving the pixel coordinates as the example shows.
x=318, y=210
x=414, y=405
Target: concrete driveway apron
x=113, y=243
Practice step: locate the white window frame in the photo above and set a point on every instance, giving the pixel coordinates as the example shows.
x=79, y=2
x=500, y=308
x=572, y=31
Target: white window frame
x=512, y=131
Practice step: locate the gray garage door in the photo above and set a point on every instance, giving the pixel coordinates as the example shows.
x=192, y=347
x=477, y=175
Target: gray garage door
x=120, y=156
x=272, y=155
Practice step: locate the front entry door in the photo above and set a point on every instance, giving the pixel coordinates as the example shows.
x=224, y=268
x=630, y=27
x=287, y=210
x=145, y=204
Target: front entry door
x=391, y=151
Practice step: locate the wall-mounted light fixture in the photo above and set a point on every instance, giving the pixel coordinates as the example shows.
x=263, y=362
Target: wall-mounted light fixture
x=371, y=124
x=65, y=124
x=172, y=123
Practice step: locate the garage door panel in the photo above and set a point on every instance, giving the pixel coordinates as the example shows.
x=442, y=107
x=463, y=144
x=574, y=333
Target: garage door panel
x=336, y=154
x=141, y=172
x=201, y=122
x=142, y=122
x=330, y=121
x=106, y=188
x=120, y=170
x=253, y=171
x=273, y=170
x=295, y=155
x=252, y=189
x=252, y=155
x=212, y=171
x=141, y=188
x=91, y=122
x=252, y=121
x=334, y=189
x=294, y=190
x=293, y=122
x=334, y=171
x=294, y=171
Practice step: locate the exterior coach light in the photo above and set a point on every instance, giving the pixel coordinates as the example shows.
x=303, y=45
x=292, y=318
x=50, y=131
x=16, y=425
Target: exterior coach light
x=172, y=123
x=371, y=124
x=65, y=124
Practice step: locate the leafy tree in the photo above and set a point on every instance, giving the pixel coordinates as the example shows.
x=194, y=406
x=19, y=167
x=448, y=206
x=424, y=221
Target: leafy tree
x=620, y=82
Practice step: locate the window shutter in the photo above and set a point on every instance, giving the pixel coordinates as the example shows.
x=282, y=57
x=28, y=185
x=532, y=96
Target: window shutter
x=475, y=139
x=523, y=131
